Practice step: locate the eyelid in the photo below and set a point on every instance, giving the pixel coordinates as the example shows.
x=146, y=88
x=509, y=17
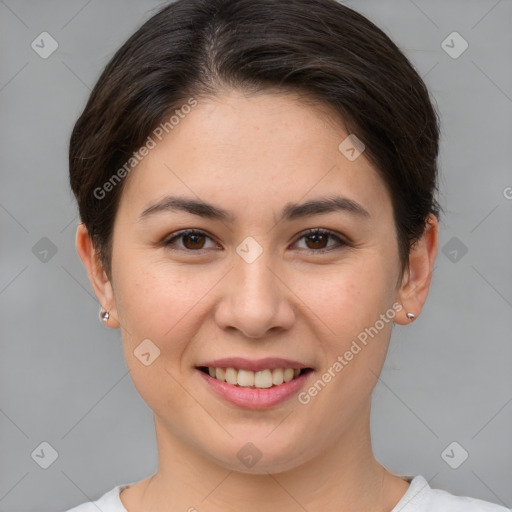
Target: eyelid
x=166, y=242
x=342, y=241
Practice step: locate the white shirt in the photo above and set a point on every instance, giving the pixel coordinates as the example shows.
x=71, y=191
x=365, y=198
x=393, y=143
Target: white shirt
x=420, y=497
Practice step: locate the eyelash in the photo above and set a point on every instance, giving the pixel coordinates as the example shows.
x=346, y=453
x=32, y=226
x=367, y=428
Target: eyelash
x=315, y=231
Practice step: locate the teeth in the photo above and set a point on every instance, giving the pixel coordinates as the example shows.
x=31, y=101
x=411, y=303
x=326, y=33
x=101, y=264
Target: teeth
x=220, y=373
x=245, y=378
x=231, y=376
x=277, y=376
x=288, y=374
x=262, y=379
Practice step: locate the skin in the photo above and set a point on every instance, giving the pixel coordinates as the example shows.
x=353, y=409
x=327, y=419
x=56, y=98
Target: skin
x=252, y=155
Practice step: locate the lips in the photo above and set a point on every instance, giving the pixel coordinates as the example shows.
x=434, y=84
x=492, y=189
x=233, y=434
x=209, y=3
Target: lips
x=254, y=384
x=260, y=395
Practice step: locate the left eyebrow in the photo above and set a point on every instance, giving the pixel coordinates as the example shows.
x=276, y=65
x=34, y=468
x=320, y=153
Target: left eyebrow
x=290, y=212
x=294, y=211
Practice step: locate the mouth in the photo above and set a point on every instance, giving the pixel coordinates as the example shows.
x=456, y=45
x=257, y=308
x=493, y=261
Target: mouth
x=262, y=379
x=254, y=383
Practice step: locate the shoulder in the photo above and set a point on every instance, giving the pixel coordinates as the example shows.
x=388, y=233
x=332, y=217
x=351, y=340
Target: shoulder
x=420, y=497
x=109, y=502
x=444, y=501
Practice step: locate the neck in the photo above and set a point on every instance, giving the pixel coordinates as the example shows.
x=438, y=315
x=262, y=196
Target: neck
x=346, y=476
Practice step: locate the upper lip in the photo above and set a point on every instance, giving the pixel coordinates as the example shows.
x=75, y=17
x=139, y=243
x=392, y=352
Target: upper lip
x=254, y=365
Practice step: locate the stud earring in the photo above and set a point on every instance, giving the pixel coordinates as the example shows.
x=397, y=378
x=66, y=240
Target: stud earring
x=411, y=316
x=104, y=315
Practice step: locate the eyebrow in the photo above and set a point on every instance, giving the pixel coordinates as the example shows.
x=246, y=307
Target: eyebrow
x=290, y=212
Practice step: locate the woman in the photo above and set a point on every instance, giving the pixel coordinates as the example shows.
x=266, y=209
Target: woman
x=256, y=183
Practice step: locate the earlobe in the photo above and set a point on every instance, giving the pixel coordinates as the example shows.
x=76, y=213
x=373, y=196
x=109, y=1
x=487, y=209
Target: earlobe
x=97, y=276
x=416, y=282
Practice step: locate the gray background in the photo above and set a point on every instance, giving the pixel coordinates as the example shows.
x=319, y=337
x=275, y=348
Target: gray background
x=63, y=379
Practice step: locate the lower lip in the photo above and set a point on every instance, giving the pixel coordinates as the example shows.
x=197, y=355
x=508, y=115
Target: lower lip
x=254, y=398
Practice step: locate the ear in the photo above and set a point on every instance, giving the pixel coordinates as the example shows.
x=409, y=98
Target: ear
x=415, y=285
x=101, y=284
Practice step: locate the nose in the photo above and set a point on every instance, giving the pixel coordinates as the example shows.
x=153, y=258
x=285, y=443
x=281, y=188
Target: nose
x=255, y=299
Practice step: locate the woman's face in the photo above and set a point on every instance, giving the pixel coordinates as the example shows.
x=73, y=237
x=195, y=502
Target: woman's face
x=254, y=284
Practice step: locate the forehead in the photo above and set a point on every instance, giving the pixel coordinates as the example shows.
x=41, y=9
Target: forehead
x=251, y=151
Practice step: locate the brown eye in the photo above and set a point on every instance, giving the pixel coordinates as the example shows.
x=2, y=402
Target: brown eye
x=317, y=240
x=192, y=240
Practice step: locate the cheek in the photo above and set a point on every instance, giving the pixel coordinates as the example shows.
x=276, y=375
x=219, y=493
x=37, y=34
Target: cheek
x=165, y=303
x=349, y=297
x=154, y=307
x=152, y=296
x=354, y=337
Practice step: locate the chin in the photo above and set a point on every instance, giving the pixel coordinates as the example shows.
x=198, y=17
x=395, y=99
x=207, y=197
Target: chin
x=260, y=456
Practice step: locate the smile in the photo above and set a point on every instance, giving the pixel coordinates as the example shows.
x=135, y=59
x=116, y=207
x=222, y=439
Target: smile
x=258, y=388
x=262, y=379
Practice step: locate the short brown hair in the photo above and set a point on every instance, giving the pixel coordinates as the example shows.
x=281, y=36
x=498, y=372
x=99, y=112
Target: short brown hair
x=320, y=48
